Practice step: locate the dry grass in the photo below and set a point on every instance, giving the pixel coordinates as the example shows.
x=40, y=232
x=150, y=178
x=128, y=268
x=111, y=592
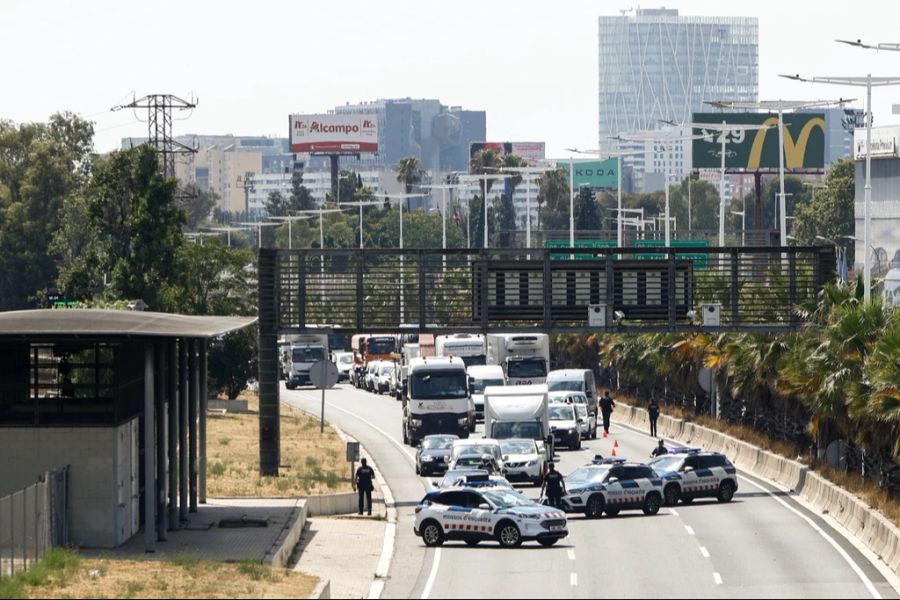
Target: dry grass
x=866, y=489
x=173, y=578
x=312, y=462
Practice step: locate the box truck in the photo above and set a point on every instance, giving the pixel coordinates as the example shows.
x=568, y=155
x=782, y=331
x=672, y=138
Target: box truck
x=524, y=357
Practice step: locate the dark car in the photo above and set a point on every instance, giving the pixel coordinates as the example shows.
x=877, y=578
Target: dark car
x=434, y=453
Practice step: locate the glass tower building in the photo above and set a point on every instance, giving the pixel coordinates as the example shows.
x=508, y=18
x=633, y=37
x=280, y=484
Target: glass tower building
x=657, y=65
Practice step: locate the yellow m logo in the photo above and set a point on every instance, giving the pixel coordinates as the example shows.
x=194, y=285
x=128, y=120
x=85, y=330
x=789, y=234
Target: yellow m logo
x=793, y=153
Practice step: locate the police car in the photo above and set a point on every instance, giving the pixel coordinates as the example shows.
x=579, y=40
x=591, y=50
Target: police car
x=610, y=486
x=474, y=515
x=692, y=473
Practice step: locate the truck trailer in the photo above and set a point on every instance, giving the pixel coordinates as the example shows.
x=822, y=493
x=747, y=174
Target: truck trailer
x=524, y=357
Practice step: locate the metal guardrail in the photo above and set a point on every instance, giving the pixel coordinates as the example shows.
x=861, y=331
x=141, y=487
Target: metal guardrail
x=550, y=290
x=33, y=520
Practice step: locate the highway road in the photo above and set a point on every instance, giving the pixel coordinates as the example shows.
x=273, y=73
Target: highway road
x=761, y=545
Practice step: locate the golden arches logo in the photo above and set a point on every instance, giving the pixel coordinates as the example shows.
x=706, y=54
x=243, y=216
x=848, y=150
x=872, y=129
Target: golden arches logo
x=793, y=152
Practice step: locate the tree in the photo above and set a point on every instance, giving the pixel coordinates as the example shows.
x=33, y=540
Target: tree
x=553, y=192
x=829, y=212
x=215, y=280
x=409, y=173
x=704, y=198
x=587, y=214
x=133, y=216
x=42, y=166
x=485, y=162
x=233, y=361
x=197, y=205
x=504, y=219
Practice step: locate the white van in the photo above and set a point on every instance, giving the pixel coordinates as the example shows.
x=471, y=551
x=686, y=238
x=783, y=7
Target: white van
x=575, y=380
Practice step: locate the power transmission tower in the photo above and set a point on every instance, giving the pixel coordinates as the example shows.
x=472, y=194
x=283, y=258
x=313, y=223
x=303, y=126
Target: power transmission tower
x=159, y=126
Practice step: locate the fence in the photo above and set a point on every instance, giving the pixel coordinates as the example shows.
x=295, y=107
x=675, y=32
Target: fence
x=32, y=520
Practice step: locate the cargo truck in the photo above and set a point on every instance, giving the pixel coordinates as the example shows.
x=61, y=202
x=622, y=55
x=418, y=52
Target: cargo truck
x=524, y=357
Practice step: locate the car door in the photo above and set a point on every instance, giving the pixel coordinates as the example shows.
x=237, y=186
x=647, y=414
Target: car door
x=707, y=480
x=631, y=489
x=615, y=493
x=689, y=479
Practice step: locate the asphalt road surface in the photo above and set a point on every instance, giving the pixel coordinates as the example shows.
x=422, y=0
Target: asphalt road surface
x=761, y=545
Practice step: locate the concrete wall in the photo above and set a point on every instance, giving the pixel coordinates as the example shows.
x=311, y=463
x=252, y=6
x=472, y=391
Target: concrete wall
x=869, y=526
x=91, y=453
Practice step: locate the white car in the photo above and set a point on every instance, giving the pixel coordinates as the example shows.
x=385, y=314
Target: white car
x=613, y=486
x=564, y=426
x=382, y=379
x=570, y=397
x=523, y=460
x=474, y=515
x=372, y=369
x=477, y=446
x=586, y=423
x=344, y=363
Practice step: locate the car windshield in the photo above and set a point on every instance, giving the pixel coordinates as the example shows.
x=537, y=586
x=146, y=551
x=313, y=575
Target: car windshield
x=471, y=460
x=581, y=410
x=346, y=359
x=478, y=385
x=438, y=385
x=450, y=477
x=526, y=367
x=387, y=369
x=507, y=499
x=518, y=447
x=478, y=449
x=527, y=429
x=587, y=475
x=562, y=413
x=380, y=345
x=438, y=443
x=667, y=463
x=307, y=354
x=564, y=386
x=477, y=359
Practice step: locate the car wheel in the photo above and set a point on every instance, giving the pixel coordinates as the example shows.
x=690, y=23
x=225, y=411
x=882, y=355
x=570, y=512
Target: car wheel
x=547, y=542
x=432, y=534
x=612, y=512
x=508, y=534
x=671, y=494
x=651, y=504
x=594, y=507
x=472, y=542
x=405, y=437
x=726, y=491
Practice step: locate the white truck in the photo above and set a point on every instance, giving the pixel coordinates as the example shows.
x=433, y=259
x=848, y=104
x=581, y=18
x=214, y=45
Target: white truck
x=305, y=351
x=480, y=377
x=518, y=412
x=469, y=347
x=437, y=399
x=523, y=356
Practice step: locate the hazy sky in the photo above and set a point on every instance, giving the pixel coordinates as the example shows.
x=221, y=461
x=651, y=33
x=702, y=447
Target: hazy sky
x=531, y=64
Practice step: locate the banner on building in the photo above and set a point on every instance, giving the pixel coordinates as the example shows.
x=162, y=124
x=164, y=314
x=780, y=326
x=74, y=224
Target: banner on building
x=334, y=134
x=594, y=174
x=804, y=141
x=530, y=151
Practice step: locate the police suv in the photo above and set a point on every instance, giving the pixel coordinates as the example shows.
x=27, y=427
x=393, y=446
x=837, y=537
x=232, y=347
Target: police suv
x=690, y=473
x=473, y=515
x=610, y=486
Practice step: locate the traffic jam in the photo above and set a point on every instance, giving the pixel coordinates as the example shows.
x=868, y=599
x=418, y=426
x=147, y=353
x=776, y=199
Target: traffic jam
x=449, y=384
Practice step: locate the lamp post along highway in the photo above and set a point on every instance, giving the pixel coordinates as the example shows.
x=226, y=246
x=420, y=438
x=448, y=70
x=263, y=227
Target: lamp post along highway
x=484, y=177
x=868, y=82
x=290, y=220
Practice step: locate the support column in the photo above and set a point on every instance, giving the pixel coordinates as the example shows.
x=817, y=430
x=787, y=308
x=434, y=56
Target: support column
x=204, y=401
x=174, y=412
x=269, y=409
x=159, y=368
x=183, y=420
x=193, y=404
x=149, y=455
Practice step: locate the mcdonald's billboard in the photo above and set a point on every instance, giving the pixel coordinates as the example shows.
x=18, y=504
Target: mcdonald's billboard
x=804, y=141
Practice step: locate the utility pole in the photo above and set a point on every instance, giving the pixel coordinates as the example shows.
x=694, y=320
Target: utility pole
x=247, y=185
x=159, y=126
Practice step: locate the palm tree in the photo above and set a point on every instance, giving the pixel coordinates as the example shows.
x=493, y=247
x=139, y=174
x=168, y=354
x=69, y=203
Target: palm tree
x=483, y=162
x=409, y=173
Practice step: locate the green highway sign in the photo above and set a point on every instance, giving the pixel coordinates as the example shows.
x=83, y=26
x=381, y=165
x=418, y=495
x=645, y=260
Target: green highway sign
x=595, y=174
x=578, y=244
x=701, y=261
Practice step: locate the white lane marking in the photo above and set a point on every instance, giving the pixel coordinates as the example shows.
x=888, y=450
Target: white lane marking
x=571, y=554
x=673, y=511
x=573, y=579
x=704, y=552
x=717, y=578
x=855, y=567
x=387, y=550
x=689, y=529
x=433, y=575
x=376, y=589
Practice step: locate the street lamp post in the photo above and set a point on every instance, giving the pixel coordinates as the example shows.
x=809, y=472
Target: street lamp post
x=528, y=175
x=484, y=177
x=743, y=214
x=360, y=204
x=868, y=82
x=259, y=225
x=290, y=220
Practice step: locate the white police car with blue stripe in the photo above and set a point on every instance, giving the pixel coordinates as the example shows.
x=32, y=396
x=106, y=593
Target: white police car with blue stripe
x=611, y=486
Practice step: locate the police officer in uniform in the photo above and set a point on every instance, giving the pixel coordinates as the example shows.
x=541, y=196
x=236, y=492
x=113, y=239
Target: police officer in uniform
x=555, y=486
x=606, y=407
x=365, y=476
x=659, y=450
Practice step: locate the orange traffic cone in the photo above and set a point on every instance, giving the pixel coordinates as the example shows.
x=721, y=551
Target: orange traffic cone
x=613, y=452
x=616, y=444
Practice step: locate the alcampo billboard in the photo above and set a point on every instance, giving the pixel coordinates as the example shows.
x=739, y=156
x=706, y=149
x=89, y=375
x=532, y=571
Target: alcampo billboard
x=804, y=141
x=334, y=134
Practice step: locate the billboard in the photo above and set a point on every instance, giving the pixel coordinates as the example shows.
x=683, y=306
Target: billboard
x=334, y=134
x=594, y=174
x=530, y=151
x=804, y=141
